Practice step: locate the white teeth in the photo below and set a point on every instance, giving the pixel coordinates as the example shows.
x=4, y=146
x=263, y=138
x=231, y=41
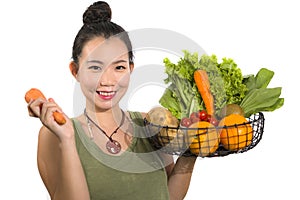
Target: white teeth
x=106, y=93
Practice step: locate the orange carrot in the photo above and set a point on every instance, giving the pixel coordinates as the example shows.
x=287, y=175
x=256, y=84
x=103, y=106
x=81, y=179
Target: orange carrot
x=203, y=85
x=33, y=94
x=59, y=118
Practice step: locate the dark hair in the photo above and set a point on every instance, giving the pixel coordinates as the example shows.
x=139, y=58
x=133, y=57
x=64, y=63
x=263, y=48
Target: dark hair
x=97, y=22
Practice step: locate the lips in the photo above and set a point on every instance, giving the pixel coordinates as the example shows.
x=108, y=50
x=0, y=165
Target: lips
x=106, y=94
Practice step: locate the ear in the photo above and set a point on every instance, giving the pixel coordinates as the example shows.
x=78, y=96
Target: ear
x=131, y=66
x=74, y=69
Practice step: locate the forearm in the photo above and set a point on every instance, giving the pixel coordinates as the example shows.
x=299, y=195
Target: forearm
x=72, y=183
x=180, y=178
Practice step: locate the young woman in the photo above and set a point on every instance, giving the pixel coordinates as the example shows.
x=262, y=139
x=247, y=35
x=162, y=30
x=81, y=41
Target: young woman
x=102, y=153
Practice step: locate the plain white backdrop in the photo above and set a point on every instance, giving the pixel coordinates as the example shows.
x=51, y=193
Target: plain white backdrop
x=35, y=44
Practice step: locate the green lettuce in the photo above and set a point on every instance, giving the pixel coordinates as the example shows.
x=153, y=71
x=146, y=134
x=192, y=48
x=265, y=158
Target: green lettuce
x=181, y=97
x=226, y=81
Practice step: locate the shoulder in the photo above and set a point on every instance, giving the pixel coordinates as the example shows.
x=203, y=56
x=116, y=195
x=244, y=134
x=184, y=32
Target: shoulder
x=143, y=114
x=46, y=137
x=137, y=113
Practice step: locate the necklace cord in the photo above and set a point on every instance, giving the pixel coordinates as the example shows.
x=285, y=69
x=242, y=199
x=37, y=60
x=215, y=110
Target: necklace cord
x=115, y=131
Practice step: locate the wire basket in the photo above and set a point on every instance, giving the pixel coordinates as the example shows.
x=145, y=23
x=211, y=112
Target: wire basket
x=207, y=142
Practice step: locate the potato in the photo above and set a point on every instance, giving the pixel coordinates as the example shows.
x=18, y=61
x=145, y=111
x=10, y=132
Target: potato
x=160, y=117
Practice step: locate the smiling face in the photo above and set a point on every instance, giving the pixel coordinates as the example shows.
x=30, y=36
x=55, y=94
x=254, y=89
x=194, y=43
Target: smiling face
x=104, y=72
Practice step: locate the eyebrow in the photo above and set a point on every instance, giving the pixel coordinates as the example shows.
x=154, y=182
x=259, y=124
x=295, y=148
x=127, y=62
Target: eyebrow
x=101, y=63
x=95, y=61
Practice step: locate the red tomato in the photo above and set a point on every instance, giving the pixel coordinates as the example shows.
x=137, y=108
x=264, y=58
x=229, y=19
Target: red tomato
x=186, y=122
x=195, y=119
x=203, y=115
x=194, y=115
x=214, y=121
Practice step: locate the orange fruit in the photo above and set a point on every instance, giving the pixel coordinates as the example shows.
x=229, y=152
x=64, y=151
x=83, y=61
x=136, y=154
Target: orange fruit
x=203, y=138
x=238, y=134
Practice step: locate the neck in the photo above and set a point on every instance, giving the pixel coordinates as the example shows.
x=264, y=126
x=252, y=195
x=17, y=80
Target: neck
x=106, y=119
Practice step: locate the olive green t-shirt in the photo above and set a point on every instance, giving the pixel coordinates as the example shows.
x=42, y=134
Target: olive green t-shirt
x=138, y=173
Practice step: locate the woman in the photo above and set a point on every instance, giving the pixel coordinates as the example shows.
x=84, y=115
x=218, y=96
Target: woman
x=100, y=154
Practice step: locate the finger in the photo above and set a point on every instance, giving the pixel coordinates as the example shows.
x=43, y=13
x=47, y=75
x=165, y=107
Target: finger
x=31, y=113
x=48, y=109
x=47, y=113
x=52, y=101
x=34, y=107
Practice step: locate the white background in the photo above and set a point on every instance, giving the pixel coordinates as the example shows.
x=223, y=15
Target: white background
x=35, y=44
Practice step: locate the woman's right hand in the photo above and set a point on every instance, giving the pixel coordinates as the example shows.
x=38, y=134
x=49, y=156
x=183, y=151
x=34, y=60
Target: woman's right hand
x=44, y=110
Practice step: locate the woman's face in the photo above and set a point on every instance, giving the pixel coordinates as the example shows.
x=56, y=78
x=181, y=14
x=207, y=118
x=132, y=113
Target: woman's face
x=104, y=72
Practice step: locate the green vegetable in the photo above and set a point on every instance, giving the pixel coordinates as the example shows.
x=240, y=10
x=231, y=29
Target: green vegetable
x=259, y=98
x=233, y=81
x=261, y=80
x=226, y=81
x=181, y=97
x=227, y=85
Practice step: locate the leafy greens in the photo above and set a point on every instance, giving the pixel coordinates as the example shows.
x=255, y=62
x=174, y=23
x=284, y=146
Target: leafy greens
x=227, y=85
x=182, y=96
x=259, y=98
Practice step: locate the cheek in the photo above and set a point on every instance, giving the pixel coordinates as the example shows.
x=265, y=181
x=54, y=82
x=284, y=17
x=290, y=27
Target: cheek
x=88, y=82
x=124, y=81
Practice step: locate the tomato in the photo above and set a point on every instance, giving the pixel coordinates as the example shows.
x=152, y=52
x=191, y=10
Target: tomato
x=214, y=121
x=202, y=115
x=194, y=117
x=186, y=122
x=208, y=117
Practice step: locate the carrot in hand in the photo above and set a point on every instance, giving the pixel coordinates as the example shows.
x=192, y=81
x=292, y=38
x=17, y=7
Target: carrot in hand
x=203, y=85
x=33, y=94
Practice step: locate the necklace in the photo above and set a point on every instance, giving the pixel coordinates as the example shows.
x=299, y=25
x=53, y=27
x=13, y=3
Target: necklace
x=112, y=145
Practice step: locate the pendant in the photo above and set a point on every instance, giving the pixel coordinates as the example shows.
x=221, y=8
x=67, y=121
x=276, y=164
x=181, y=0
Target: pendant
x=113, y=146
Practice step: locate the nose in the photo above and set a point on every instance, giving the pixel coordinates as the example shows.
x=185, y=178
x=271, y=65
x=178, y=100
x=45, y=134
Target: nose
x=107, y=78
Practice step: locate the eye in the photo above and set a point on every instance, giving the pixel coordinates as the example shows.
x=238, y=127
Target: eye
x=120, y=67
x=95, y=68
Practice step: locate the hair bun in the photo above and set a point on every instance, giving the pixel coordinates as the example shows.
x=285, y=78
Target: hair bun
x=97, y=12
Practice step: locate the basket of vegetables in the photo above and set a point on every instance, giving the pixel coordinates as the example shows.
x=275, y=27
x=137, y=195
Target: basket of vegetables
x=210, y=109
